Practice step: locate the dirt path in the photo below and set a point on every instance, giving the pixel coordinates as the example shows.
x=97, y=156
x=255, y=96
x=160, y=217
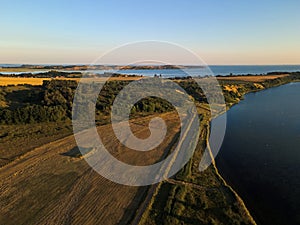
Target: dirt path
x=153, y=189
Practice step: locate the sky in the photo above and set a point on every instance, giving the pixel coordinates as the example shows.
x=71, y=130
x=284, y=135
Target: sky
x=221, y=32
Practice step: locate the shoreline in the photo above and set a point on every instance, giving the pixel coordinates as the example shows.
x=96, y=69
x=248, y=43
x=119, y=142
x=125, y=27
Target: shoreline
x=225, y=183
x=224, y=177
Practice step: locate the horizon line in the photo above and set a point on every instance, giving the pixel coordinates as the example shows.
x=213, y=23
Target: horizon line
x=116, y=64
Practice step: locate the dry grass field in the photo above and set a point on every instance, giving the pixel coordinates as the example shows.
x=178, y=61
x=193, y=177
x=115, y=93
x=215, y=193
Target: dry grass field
x=48, y=186
x=253, y=78
x=5, y=81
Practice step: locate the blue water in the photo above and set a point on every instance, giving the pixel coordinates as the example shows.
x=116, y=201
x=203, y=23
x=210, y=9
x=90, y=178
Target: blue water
x=10, y=65
x=260, y=155
x=216, y=70
x=252, y=69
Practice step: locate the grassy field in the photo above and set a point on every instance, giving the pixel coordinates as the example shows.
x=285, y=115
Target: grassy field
x=252, y=78
x=5, y=81
x=61, y=189
x=16, y=140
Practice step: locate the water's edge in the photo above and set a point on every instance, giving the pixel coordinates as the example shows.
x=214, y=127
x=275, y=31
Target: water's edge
x=235, y=192
x=239, y=199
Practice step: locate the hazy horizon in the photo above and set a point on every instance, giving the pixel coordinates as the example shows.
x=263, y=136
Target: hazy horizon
x=86, y=64
x=220, y=32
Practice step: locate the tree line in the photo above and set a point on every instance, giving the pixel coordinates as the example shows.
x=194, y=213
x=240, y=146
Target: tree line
x=54, y=102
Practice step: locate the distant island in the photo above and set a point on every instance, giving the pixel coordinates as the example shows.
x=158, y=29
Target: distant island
x=26, y=67
x=39, y=154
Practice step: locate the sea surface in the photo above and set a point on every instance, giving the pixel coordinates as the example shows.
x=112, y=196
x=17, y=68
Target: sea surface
x=215, y=70
x=260, y=155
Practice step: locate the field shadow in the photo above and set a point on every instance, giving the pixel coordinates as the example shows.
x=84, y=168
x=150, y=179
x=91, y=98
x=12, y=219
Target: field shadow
x=133, y=207
x=76, y=153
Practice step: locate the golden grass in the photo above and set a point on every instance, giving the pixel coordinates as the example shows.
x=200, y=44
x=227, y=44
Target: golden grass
x=253, y=78
x=4, y=81
x=258, y=86
x=233, y=88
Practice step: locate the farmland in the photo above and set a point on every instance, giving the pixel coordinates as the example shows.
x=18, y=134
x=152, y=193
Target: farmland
x=253, y=78
x=6, y=81
x=40, y=159
x=74, y=191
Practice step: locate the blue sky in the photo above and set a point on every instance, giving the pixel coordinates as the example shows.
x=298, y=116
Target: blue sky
x=219, y=31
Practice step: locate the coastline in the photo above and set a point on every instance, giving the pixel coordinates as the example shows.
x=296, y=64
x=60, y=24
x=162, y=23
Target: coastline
x=225, y=183
x=242, y=201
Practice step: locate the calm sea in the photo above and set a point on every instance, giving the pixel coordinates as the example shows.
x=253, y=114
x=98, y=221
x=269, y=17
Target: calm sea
x=216, y=70
x=260, y=155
